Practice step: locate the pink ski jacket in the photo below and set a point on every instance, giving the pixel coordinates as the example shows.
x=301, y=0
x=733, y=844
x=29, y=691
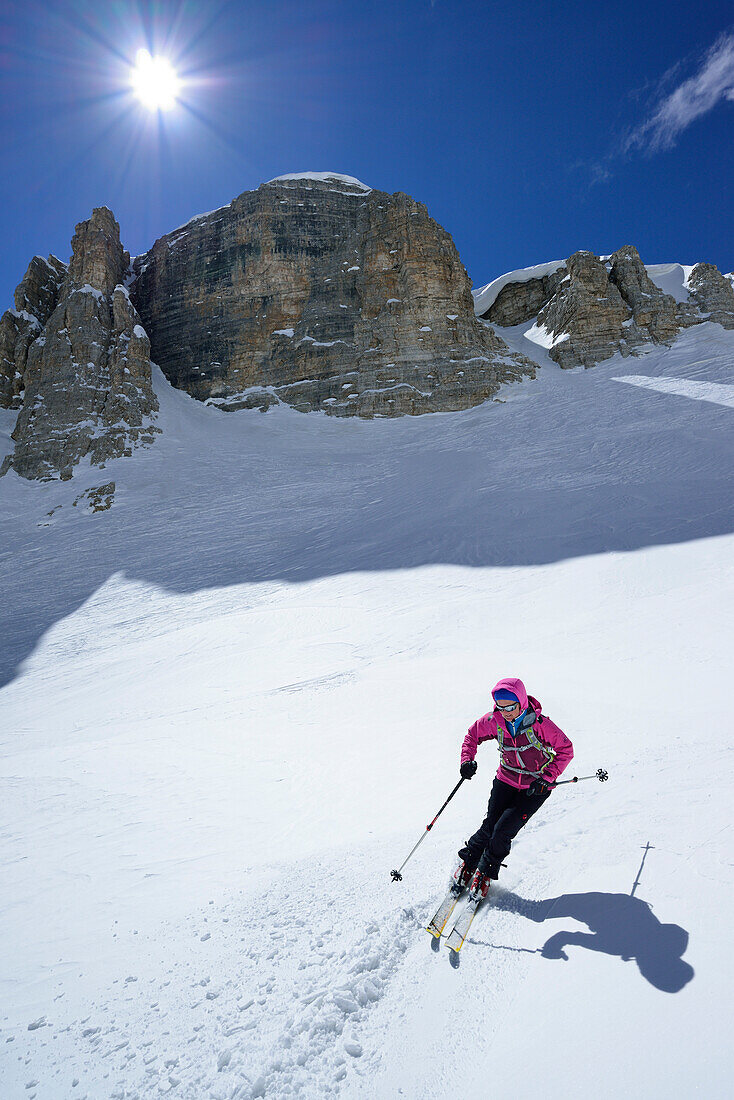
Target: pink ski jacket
x=537, y=749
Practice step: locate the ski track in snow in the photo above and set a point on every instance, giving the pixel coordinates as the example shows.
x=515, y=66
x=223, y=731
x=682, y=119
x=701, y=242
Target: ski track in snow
x=267, y=996
x=231, y=703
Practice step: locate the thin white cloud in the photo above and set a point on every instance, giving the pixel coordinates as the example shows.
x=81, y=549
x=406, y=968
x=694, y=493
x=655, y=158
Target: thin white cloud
x=694, y=97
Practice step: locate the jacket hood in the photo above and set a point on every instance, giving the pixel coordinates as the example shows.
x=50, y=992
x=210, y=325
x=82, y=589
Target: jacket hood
x=517, y=687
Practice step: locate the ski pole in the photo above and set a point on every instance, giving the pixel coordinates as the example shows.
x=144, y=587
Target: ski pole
x=599, y=774
x=395, y=875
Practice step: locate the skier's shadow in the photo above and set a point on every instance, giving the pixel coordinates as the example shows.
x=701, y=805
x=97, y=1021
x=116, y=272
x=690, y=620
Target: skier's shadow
x=619, y=925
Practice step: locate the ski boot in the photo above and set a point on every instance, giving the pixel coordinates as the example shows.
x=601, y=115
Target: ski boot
x=487, y=869
x=479, y=887
x=461, y=878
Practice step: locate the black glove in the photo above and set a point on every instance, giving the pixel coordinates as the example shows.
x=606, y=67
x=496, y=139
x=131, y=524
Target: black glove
x=468, y=769
x=539, y=786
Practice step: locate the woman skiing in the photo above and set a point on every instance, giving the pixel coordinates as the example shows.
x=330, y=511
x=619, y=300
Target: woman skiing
x=533, y=753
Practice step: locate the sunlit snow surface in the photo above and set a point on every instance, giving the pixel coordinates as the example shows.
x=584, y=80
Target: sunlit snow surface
x=718, y=392
x=232, y=702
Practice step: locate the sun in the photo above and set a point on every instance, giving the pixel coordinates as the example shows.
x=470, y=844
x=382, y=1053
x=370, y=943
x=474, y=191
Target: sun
x=154, y=82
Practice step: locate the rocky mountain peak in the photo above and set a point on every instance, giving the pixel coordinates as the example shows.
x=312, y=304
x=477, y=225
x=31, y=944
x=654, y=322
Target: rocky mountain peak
x=82, y=363
x=591, y=307
x=651, y=308
x=713, y=294
x=585, y=315
x=319, y=292
x=587, y=272
x=36, y=297
x=316, y=291
x=98, y=259
x=38, y=291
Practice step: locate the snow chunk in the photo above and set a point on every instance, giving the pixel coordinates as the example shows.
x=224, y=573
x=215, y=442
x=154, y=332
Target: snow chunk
x=24, y=315
x=140, y=332
x=344, y=1000
x=87, y=289
x=321, y=343
x=283, y=332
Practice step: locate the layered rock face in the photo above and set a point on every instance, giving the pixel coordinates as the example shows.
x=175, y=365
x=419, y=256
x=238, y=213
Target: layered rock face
x=590, y=309
x=313, y=290
x=654, y=315
x=324, y=294
x=87, y=379
x=599, y=309
x=584, y=317
x=35, y=300
x=713, y=294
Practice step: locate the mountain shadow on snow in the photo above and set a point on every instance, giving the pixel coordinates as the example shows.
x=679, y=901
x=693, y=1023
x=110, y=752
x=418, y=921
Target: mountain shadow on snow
x=571, y=465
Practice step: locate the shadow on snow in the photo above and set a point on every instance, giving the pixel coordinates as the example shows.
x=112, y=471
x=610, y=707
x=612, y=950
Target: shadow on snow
x=585, y=467
x=619, y=925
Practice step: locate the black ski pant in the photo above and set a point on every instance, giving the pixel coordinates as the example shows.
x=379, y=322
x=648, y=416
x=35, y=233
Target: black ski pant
x=508, y=810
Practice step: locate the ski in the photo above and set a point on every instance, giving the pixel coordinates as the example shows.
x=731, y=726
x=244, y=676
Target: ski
x=460, y=931
x=444, y=911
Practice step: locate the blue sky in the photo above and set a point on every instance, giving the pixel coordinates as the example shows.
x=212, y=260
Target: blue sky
x=529, y=129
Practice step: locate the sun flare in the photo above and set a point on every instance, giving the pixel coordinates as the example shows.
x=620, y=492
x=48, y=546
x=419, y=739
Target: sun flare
x=154, y=82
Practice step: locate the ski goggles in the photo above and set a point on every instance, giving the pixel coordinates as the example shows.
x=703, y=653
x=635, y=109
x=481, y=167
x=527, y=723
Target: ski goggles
x=506, y=706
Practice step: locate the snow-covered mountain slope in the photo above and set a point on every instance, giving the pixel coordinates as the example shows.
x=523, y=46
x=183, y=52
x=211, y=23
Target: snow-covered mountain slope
x=231, y=703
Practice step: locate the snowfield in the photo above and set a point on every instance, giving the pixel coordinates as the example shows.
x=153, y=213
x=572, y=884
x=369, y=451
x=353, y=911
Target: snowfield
x=231, y=703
